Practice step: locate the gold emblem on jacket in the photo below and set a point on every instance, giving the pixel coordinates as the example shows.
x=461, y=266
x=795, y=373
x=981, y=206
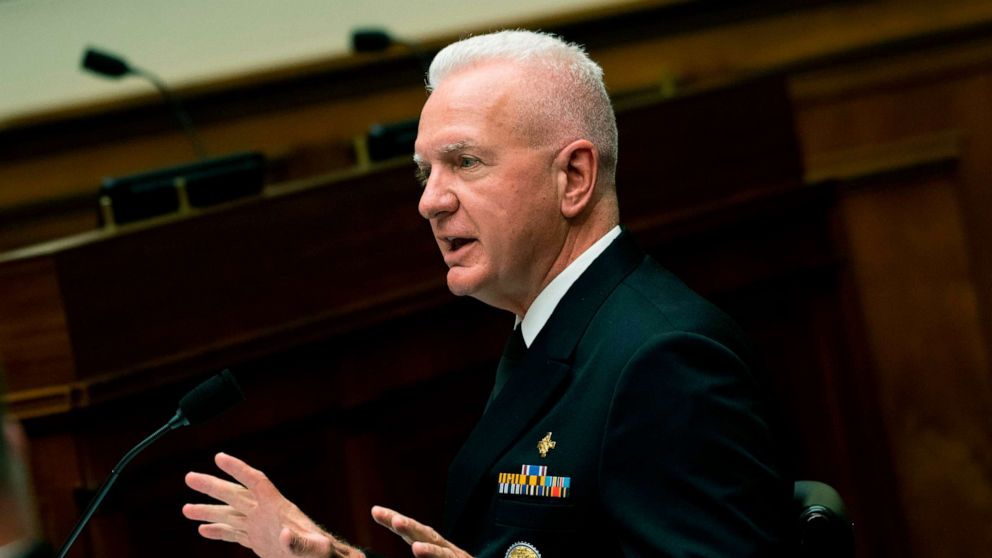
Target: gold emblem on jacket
x=522, y=550
x=545, y=445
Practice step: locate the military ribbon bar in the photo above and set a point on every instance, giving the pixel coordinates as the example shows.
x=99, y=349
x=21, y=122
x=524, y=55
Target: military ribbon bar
x=533, y=480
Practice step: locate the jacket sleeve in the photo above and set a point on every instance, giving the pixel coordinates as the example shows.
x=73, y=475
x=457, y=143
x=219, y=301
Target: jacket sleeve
x=688, y=464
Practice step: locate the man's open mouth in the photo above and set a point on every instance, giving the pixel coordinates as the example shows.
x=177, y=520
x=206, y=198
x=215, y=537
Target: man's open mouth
x=456, y=243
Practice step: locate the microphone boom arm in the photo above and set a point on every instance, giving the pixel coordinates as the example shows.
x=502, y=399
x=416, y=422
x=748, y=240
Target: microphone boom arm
x=176, y=422
x=177, y=109
x=211, y=397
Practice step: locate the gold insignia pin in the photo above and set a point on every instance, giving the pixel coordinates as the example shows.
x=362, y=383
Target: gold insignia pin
x=545, y=445
x=522, y=550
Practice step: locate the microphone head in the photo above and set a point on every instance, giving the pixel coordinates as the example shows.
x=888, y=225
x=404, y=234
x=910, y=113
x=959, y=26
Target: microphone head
x=104, y=63
x=370, y=40
x=212, y=397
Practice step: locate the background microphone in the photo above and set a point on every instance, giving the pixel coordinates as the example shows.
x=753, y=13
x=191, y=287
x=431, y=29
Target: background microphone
x=110, y=65
x=210, y=398
x=105, y=64
x=393, y=139
x=377, y=39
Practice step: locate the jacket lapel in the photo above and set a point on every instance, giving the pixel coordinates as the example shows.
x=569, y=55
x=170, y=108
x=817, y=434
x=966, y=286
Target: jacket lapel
x=531, y=382
x=536, y=379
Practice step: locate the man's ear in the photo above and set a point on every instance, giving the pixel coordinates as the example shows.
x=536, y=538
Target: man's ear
x=577, y=165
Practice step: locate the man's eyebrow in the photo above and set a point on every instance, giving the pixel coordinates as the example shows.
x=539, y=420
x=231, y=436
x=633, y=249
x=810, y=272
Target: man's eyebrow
x=457, y=146
x=445, y=150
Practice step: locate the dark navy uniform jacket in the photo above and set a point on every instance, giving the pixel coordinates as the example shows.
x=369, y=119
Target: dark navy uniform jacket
x=658, y=432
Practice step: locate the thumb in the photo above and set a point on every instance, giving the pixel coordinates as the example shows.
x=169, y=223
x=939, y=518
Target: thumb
x=306, y=544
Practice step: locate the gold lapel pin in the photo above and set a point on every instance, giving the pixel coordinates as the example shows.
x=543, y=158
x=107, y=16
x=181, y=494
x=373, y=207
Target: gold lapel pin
x=545, y=445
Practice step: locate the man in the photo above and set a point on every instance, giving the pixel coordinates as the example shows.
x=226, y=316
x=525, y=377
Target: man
x=623, y=420
x=18, y=525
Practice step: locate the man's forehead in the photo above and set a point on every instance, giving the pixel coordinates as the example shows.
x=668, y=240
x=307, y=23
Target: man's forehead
x=470, y=109
x=475, y=91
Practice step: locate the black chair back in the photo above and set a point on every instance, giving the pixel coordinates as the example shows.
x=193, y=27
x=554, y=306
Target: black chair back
x=823, y=529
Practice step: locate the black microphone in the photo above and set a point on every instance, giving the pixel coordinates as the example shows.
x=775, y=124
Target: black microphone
x=371, y=40
x=205, y=401
x=394, y=139
x=105, y=64
x=110, y=65
x=215, y=395
x=374, y=39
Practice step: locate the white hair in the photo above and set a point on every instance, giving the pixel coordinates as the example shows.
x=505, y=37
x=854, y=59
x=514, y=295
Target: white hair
x=571, y=104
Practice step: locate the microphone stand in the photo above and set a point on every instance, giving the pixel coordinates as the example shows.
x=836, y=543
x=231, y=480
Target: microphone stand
x=110, y=65
x=177, y=109
x=175, y=422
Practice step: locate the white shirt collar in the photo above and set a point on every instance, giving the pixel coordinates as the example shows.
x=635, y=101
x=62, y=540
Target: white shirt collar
x=546, y=302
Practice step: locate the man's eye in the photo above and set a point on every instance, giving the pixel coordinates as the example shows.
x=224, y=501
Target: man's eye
x=467, y=162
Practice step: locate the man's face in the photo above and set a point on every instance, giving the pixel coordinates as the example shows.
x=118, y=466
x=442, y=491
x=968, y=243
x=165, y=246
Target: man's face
x=490, y=195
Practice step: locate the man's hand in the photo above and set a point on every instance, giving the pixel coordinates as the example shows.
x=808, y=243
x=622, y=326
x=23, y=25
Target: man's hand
x=256, y=515
x=424, y=541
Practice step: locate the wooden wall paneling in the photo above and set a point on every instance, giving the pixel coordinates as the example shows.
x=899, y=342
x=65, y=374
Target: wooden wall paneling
x=41, y=221
x=710, y=146
x=851, y=389
x=56, y=474
x=927, y=314
x=786, y=41
x=208, y=282
x=932, y=363
x=34, y=344
x=971, y=105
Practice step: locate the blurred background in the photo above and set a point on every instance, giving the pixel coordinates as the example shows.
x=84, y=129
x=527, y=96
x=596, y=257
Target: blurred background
x=228, y=183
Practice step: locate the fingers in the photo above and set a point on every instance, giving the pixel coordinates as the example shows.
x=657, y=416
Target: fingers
x=237, y=495
x=250, y=477
x=409, y=529
x=383, y=516
x=211, y=513
x=386, y=517
x=427, y=550
x=228, y=492
x=424, y=541
x=255, y=515
x=220, y=532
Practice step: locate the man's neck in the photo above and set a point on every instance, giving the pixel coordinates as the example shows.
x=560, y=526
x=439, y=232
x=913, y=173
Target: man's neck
x=547, y=300
x=578, y=240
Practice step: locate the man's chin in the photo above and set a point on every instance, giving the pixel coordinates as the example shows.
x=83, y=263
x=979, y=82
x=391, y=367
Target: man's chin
x=461, y=282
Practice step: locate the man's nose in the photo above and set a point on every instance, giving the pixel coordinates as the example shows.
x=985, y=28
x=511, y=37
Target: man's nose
x=438, y=199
